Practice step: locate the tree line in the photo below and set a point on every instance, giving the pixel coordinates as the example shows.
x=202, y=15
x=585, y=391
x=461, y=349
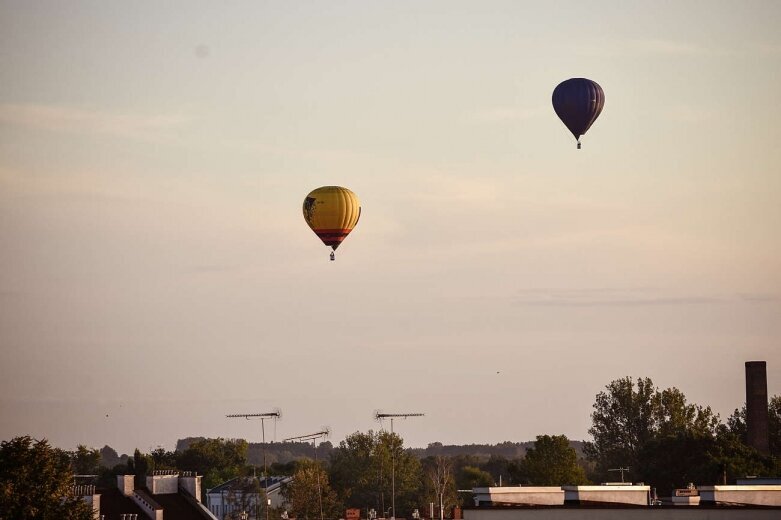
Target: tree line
x=668, y=442
x=663, y=439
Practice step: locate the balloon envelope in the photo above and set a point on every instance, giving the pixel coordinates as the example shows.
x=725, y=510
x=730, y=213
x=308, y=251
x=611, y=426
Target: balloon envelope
x=332, y=212
x=578, y=102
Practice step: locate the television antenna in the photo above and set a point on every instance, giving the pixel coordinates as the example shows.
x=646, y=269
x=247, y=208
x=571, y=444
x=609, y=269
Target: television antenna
x=322, y=434
x=622, y=470
x=379, y=416
x=276, y=415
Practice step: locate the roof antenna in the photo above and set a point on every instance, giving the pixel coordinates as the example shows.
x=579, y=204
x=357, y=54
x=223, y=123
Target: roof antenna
x=379, y=416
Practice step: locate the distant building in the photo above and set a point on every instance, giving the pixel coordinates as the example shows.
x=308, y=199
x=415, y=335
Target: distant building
x=619, y=501
x=742, y=495
x=238, y=495
x=612, y=493
x=517, y=495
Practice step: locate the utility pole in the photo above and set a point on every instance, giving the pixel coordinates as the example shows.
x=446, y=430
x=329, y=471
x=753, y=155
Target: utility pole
x=313, y=437
x=276, y=415
x=380, y=416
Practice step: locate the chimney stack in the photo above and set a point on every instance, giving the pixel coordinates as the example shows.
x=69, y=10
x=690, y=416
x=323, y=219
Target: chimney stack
x=757, y=424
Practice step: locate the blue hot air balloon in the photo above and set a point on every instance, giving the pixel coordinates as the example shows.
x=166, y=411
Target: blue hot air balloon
x=578, y=103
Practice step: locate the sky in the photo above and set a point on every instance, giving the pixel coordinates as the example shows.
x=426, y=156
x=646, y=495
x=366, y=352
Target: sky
x=156, y=272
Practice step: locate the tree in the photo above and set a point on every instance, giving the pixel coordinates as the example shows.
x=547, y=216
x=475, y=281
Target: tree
x=109, y=457
x=671, y=462
x=217, y=460
x=142, y=466
x=440, y=485
x=164, y=459
x=736, y=424
x=36, y=482
x=471, y=477
x=246, y=494
x=551, y=462
x=774, y=424
x=629, y=414
x=85, y=461
x=280, y=468
x=309, y=494
x=731, y=456
x=673, y=415
x=360, y=472
x=499, y=468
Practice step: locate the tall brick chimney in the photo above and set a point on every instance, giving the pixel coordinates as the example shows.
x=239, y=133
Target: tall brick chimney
x=757, y=423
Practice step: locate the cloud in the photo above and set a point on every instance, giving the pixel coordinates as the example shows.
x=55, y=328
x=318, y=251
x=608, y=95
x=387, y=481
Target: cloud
x=637, y=297
x=638, y=302
x=56, y=118
x=759, y=297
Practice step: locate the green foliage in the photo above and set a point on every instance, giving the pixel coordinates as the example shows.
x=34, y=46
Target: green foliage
x=310, y=495
x=736, y=424
x=469, y=477
x=675, y=461
x=275, y=452
x=85, y=461
x=218, y=460
x=246, y=494
x=690, y=457
x=498, y=467
x=283, y=468
x=109, y=457
x=774, y=416
x=164, y=459
x=107, y=478
x=360, y=471
x=35, y=483
x=622, y=422
x=629, y=414
x=506, y=450
x=142, y=466
x=668, y=442
x=673, y=415
x=551, y=462
x=439, y=483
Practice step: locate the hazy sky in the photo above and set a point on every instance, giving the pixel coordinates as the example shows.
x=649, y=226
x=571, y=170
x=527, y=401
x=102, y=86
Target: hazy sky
x=155, y=266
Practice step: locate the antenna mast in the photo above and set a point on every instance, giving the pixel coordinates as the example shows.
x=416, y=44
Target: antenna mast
x=325, y=432
x=380, y=416
x=622, y=470
x=276, y=415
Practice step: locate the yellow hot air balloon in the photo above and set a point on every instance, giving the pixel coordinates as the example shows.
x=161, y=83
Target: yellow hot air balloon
x=332, y=212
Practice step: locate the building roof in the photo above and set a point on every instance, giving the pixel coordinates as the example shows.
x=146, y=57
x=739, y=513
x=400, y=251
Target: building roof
x=270, y=484
x=113, y=504
x=176, y=506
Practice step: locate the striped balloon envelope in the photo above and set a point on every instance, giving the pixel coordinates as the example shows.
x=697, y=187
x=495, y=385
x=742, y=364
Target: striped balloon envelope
x=332, y=212
x=578, y=103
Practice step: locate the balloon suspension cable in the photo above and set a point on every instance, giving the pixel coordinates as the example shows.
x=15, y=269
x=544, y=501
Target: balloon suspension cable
x=333, y=256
